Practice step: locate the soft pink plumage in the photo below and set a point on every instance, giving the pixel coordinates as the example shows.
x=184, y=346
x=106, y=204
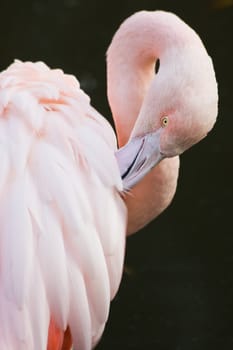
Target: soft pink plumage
x=61, y=256
x=62, y=216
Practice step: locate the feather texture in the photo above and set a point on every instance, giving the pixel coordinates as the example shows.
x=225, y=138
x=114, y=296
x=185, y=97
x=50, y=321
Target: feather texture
x=62, y=220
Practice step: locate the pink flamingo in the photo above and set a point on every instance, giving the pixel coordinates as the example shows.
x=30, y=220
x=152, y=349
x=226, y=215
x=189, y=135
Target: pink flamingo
x=63, y=213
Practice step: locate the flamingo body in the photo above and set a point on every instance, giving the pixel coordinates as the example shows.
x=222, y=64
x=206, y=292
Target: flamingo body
x=61, y=257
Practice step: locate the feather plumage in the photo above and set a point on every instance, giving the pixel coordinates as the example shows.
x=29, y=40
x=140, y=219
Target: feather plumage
x=60, y=258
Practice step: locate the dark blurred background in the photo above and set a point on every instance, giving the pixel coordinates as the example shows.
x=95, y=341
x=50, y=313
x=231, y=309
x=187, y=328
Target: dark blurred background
x=177, y=288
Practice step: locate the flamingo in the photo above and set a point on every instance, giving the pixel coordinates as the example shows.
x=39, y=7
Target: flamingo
x=69, y=197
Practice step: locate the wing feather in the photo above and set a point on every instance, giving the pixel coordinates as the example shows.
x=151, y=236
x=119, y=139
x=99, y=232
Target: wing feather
x=39, y=310
x=16, y=243
x=62, y=220
x=79, y=316
x=53, y=264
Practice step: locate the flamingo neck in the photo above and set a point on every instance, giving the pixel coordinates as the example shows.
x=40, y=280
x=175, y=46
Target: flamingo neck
x=131, y=57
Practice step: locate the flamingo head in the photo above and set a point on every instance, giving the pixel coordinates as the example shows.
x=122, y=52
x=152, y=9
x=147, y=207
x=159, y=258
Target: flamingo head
x=178, y=110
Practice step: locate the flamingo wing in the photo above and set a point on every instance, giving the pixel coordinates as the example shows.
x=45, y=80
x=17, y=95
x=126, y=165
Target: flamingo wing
x=62, y=220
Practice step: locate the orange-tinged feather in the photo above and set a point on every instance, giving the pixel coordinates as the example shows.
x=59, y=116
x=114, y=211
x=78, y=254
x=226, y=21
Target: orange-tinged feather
x=55, y=337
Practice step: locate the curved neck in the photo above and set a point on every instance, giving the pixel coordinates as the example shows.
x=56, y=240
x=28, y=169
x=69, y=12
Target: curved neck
x=140, y=41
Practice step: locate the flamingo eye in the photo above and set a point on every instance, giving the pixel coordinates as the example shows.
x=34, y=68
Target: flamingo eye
x=164, y=122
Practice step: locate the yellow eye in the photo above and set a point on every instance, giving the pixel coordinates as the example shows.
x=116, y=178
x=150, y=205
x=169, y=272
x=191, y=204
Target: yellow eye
x=164, y=122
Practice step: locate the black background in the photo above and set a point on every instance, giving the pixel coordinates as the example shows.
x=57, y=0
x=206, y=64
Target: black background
x=177, y=289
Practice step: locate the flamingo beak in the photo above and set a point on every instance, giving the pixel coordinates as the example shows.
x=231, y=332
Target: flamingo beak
x=138, y=157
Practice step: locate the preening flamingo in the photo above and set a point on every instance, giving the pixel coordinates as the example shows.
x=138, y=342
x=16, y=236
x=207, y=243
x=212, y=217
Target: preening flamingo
x=65, y=188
